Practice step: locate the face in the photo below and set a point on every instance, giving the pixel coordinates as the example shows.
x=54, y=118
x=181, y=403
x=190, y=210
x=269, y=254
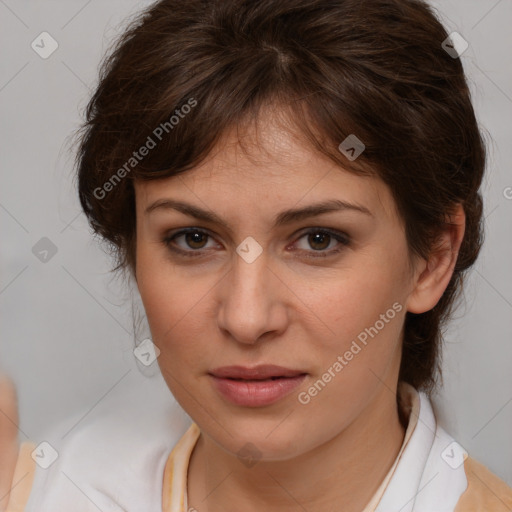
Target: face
x=322, y=296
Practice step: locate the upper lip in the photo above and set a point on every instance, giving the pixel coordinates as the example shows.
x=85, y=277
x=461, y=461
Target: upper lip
x=264, y=371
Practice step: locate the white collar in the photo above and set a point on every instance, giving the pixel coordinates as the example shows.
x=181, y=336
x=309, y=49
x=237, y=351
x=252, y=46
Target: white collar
x=430, y=473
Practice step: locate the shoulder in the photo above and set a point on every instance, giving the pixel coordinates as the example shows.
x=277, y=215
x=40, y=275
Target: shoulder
x=485, y=490
x=112, y=460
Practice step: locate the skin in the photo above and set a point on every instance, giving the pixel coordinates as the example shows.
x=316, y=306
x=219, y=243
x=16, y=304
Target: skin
x=288, y=309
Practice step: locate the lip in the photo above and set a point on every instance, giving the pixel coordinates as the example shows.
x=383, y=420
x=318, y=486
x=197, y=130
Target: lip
x=262, y=371
x=257, y=386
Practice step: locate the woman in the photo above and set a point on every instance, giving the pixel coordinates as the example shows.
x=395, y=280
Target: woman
x=294, y=187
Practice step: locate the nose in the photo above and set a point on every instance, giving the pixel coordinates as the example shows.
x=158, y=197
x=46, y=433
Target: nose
x=252, y=301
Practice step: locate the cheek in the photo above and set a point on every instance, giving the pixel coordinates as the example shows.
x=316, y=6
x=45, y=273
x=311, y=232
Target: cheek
x=357, y=299
x=365, y=313
x=173, y=306
x=176, y=307
x=166, y=296
x=364, y=310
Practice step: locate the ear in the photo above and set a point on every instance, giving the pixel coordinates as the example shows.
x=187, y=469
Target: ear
x=432, y=276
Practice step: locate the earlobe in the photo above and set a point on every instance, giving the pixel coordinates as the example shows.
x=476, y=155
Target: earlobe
x=434, y=275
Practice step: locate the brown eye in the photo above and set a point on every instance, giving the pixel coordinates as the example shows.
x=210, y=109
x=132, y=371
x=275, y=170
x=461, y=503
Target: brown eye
x=321, y=239
x=318, y=240
x=196, y=239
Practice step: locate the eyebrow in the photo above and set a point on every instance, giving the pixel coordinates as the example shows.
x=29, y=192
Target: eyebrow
x=283, y=218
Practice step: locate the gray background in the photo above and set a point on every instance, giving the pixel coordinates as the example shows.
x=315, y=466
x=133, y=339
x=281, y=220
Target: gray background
x=66, y=335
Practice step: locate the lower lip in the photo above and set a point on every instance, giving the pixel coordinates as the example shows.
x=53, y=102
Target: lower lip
x=256, y=393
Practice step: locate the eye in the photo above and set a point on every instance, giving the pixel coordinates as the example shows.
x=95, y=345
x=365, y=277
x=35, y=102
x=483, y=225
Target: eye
x=193, y=238
x=321, y=238
x=196, y=240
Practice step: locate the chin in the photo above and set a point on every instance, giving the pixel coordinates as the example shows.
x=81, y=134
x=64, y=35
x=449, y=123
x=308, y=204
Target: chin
x=264, y=441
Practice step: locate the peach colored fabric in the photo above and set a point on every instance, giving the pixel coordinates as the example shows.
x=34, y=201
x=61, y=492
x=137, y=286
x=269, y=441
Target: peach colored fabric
x=485, y=492
x=22, y=479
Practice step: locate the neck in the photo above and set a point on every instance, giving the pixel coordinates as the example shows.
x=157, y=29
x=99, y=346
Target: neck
x=345, y=471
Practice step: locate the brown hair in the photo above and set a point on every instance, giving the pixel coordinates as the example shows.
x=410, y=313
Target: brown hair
x=185, y=71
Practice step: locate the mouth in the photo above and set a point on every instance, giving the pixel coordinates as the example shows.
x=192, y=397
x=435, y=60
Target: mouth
x=255, y=387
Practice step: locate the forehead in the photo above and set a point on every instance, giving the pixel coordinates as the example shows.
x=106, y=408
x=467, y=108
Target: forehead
x=266, y=166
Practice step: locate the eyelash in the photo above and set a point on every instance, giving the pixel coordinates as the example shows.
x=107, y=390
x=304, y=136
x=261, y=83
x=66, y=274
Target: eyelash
x=342, y=238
